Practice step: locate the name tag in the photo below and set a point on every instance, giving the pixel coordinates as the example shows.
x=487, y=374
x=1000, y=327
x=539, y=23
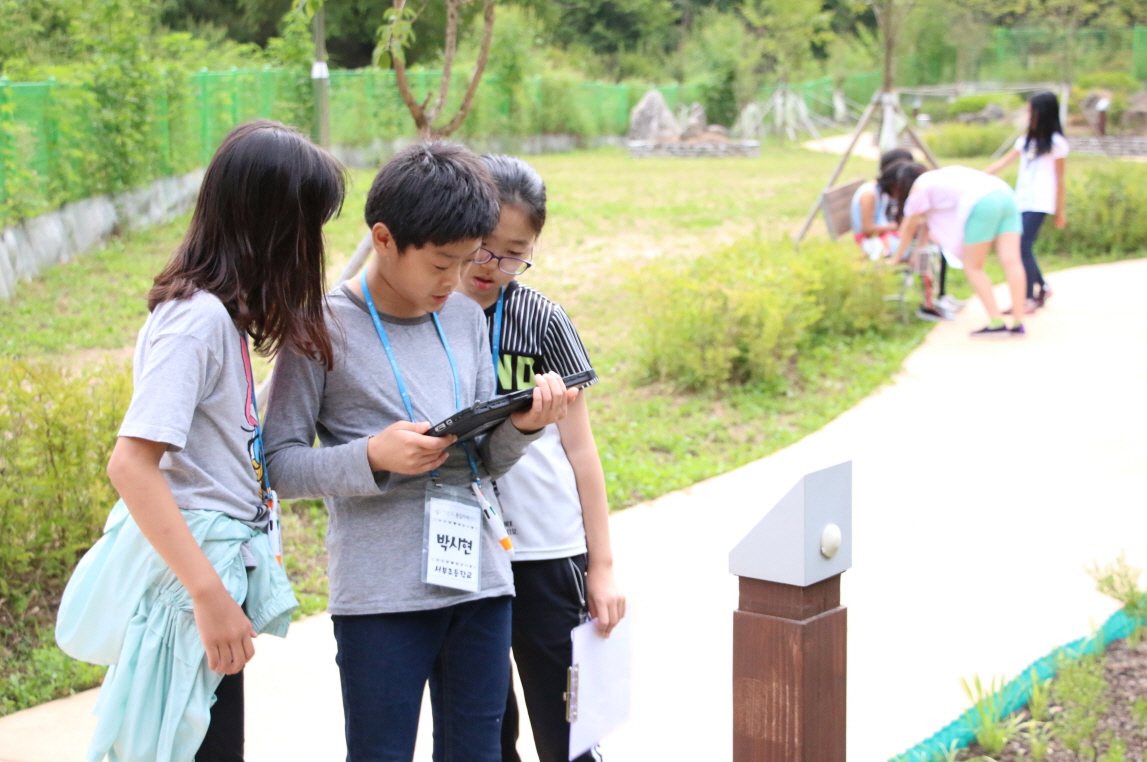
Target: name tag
x=452, y=544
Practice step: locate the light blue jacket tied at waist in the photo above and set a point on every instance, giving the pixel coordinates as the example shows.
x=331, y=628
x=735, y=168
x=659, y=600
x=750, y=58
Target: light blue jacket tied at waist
x=124, y=607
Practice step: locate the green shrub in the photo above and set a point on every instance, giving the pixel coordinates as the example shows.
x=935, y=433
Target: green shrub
x=1106, y=209
x=738, y=315
x=971, y=104
x=1116, y=81
x=851, y=294
x=57, y=430
x=39, y=673
x=561, y=98
x=967, y=140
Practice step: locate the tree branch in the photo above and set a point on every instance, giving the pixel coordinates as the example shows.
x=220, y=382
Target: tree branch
x=447, y=59
x=479, y=68
x=399, y=62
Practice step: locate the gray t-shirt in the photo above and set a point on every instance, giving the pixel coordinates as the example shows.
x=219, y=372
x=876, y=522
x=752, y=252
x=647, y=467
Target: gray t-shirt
x=191, y=393
x=376, y=519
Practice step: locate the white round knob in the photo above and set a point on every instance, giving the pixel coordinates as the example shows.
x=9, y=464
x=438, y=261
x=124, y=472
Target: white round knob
x=830, y=541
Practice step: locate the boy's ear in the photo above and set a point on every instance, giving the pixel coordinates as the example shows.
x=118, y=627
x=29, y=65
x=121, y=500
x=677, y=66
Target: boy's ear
x=383, y=240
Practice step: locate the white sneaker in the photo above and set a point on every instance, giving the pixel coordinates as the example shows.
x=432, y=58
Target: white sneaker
x=949, y=303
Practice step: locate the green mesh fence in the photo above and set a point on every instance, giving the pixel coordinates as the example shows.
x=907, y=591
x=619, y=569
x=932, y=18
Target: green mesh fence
x=63, y=142
x=57, y=143
x=1139, y=53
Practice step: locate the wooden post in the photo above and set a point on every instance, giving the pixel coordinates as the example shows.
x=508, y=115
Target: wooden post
x=789, y=658
x=790, y=632
x=839, y=166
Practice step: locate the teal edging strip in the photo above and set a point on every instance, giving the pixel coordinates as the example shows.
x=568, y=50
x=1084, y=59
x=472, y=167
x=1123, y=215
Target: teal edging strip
x=1014, y=696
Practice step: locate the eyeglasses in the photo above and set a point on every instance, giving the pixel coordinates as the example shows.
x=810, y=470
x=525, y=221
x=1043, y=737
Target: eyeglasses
x=508, y=265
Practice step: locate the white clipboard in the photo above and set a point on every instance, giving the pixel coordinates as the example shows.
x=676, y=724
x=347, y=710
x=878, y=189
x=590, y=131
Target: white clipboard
x=599, y=683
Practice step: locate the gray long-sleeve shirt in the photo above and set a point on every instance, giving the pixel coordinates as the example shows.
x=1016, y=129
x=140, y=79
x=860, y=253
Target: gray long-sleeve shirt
x=374, y=537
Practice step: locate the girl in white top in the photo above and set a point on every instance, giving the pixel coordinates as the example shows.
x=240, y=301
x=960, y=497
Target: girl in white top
x=1039, y=184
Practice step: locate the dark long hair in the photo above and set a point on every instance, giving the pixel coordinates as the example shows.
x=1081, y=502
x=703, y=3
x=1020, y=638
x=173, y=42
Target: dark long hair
x=256, y=238
x=906, y=175
x=895, y=156
x=1045, y=109
x=519, y=185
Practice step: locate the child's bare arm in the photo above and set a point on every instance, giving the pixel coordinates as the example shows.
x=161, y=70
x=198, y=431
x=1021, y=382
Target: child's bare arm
x=224, y=628
x=1003, y=161
x=606, y=601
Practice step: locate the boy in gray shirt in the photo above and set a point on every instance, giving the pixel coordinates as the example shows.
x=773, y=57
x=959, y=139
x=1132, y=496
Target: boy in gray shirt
x=410, y=352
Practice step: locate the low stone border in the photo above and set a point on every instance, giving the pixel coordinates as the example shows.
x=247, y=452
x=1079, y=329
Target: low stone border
x=1110, y=145
x=376, y=154
x=34, y=245
x=643, y=149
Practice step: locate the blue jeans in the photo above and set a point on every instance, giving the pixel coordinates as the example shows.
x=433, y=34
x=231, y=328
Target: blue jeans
x=1032, y=223
x=385, y=660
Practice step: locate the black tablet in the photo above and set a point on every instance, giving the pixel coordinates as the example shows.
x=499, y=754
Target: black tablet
x=483, y=416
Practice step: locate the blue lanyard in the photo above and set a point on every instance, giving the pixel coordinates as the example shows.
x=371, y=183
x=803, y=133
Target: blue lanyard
x=497, y=339
x=402, y=392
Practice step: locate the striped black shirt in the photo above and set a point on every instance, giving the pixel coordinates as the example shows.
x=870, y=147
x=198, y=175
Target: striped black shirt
x=537, y=337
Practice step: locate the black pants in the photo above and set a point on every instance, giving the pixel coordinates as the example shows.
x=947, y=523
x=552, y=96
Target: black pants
x=224, y=739
x=549, y=602
x=1032, y=223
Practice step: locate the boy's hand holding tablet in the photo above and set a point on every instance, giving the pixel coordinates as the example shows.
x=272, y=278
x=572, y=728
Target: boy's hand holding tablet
x=551, y=401
x=404, y=448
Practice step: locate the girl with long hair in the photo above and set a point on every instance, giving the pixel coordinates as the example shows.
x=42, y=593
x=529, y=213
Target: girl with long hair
x=1039, y=185
x=873, y=229
x=188, y=570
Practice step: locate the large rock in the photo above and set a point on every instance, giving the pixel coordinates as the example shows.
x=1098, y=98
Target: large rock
x=1135, y=115
x=652, y=120
x=750, y=123
x=696, y=122
x=993, y=112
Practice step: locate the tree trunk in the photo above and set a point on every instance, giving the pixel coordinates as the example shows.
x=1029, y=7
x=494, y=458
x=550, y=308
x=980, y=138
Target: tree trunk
x=889, y=24
x=320, y=79
x=476, y=78
x=424, y=118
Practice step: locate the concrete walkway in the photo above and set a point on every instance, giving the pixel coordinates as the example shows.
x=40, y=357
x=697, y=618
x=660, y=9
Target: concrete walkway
x=986, y=477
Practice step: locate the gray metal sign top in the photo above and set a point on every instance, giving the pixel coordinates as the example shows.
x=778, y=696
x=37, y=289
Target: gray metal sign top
x=806, y=537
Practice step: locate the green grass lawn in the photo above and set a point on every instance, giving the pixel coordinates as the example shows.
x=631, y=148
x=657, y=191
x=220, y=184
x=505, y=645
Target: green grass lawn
x=609, y=215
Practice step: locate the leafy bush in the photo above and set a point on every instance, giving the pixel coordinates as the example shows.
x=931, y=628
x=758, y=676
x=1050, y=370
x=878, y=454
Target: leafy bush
x=561, y=97
x=40, y=673
x=738, y=315
x=971, y=104
x=57, y=429
x=967, y=140
x=1116, y=81
x=1106, y=210
x=719, y=99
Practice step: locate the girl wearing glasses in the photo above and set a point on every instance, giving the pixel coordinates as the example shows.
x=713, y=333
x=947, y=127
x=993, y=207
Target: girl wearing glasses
x=554, y=499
